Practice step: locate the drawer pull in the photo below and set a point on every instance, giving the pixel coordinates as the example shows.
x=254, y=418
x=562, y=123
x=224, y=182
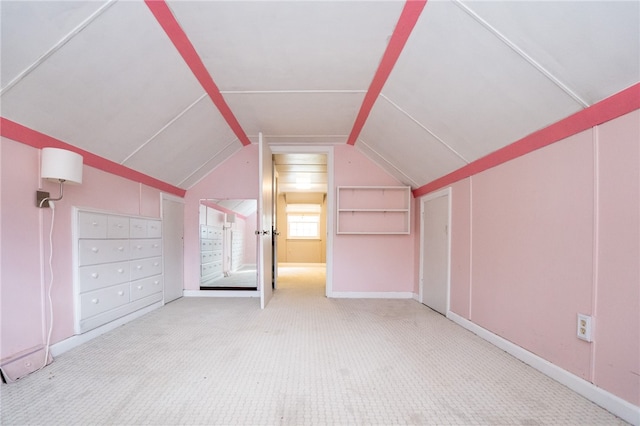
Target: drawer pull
x=95, y=275
x=120, y=248
x=156, y=282
x=138, y=267
x=120, y=270
x=156, y=245
x=140, y=287
x=139, y=247
x=94, y=223
x=156, y=264
x=95, y=249
x=121, y=293
x=119, y=225
x=95, y=301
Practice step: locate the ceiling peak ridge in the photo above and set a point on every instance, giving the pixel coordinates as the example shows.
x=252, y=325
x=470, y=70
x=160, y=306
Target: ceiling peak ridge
x=555, y=80
x=84, y=24
x=165, y=127
x=412, y=182
x=409, y=116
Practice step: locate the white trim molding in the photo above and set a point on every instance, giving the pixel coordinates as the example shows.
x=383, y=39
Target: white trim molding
x=616, y=405
x=372, y=295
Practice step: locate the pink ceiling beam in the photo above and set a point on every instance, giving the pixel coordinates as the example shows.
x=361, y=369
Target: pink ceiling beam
x=19, y=133
x=408, y=18
x=608, y=109
x=170, y=25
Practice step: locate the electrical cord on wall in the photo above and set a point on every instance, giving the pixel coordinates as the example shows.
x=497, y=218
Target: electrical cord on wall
x=48, y=344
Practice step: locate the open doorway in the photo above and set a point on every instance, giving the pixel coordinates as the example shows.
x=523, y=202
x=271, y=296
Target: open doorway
x=303, y=218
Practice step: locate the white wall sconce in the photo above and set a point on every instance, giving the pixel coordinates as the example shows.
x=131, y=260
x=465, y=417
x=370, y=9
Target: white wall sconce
x=229, y=220
x=58, y=165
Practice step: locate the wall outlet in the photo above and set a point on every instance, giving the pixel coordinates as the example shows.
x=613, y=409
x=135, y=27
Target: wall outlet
x=585, y=327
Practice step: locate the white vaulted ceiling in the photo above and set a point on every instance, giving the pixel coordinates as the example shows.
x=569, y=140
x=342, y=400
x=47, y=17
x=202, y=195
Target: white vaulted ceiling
x=473, y=76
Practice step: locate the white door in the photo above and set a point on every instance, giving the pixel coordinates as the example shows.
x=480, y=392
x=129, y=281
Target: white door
x=434, y=265
x=275, y=232
x=265, y=213
x=173, y=247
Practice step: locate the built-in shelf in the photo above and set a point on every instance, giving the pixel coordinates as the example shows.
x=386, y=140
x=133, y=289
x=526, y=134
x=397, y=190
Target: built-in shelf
x=373, y=210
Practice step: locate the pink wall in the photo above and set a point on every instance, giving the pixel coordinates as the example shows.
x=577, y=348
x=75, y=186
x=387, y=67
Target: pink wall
x=236, y=177
x=460, y=290
x=369, y=263
x=617, y=305
x=25, y=251
x=554, y=233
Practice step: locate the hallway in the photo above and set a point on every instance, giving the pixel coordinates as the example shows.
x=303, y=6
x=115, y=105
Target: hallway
x=305, y=359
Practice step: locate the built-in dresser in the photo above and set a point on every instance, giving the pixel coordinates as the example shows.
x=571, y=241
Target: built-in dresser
x=119, y=267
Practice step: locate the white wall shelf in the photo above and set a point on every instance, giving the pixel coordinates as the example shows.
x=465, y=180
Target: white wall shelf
x=373, y=210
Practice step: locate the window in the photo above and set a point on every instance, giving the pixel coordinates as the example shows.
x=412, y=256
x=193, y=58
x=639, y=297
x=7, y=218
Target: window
x=303, y=221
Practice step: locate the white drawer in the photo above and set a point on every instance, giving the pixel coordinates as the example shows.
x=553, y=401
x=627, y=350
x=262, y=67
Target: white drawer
x=206, y=257
x=117, y=227
x=145, y=287
x=206, y=245
x=93, y=277
x=154, y=229
x=92, y=225
x=203, y=231
x=138, y=228
x=145, y=228
x=146, y=267
x=91, y=252
x=96, y=302
x=146, y=248
x=206, y=270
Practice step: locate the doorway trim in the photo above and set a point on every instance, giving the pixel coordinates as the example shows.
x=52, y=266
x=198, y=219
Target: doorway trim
x=423, y=200
x=328, y=151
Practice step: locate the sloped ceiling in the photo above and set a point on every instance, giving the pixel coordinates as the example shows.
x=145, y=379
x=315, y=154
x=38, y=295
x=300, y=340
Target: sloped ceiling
x=171, y=89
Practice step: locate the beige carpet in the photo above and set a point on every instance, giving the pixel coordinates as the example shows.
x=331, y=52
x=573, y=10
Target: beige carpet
x=305, y=359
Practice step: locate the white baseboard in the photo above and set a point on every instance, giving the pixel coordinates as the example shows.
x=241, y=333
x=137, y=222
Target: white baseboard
x=616, y=405
x=371, y=295
x=79, y=339
x=221, y=293
x=416, y=297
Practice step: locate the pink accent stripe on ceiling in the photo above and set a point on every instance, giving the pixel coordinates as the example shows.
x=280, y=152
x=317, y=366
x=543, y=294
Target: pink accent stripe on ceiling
x=612, y=107
x=170, y=25
x=408, y=18
x=223, y=209
x=19, y=133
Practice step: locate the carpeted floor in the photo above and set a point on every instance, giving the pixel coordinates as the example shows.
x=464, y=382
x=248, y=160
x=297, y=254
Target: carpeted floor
x=305, y=359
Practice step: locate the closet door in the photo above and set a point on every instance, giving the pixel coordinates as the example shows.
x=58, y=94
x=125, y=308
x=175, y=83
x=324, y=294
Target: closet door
x=434, y=267
x=173, y=235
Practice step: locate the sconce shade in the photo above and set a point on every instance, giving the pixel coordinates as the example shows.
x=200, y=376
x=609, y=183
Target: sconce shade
x=60, y=164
